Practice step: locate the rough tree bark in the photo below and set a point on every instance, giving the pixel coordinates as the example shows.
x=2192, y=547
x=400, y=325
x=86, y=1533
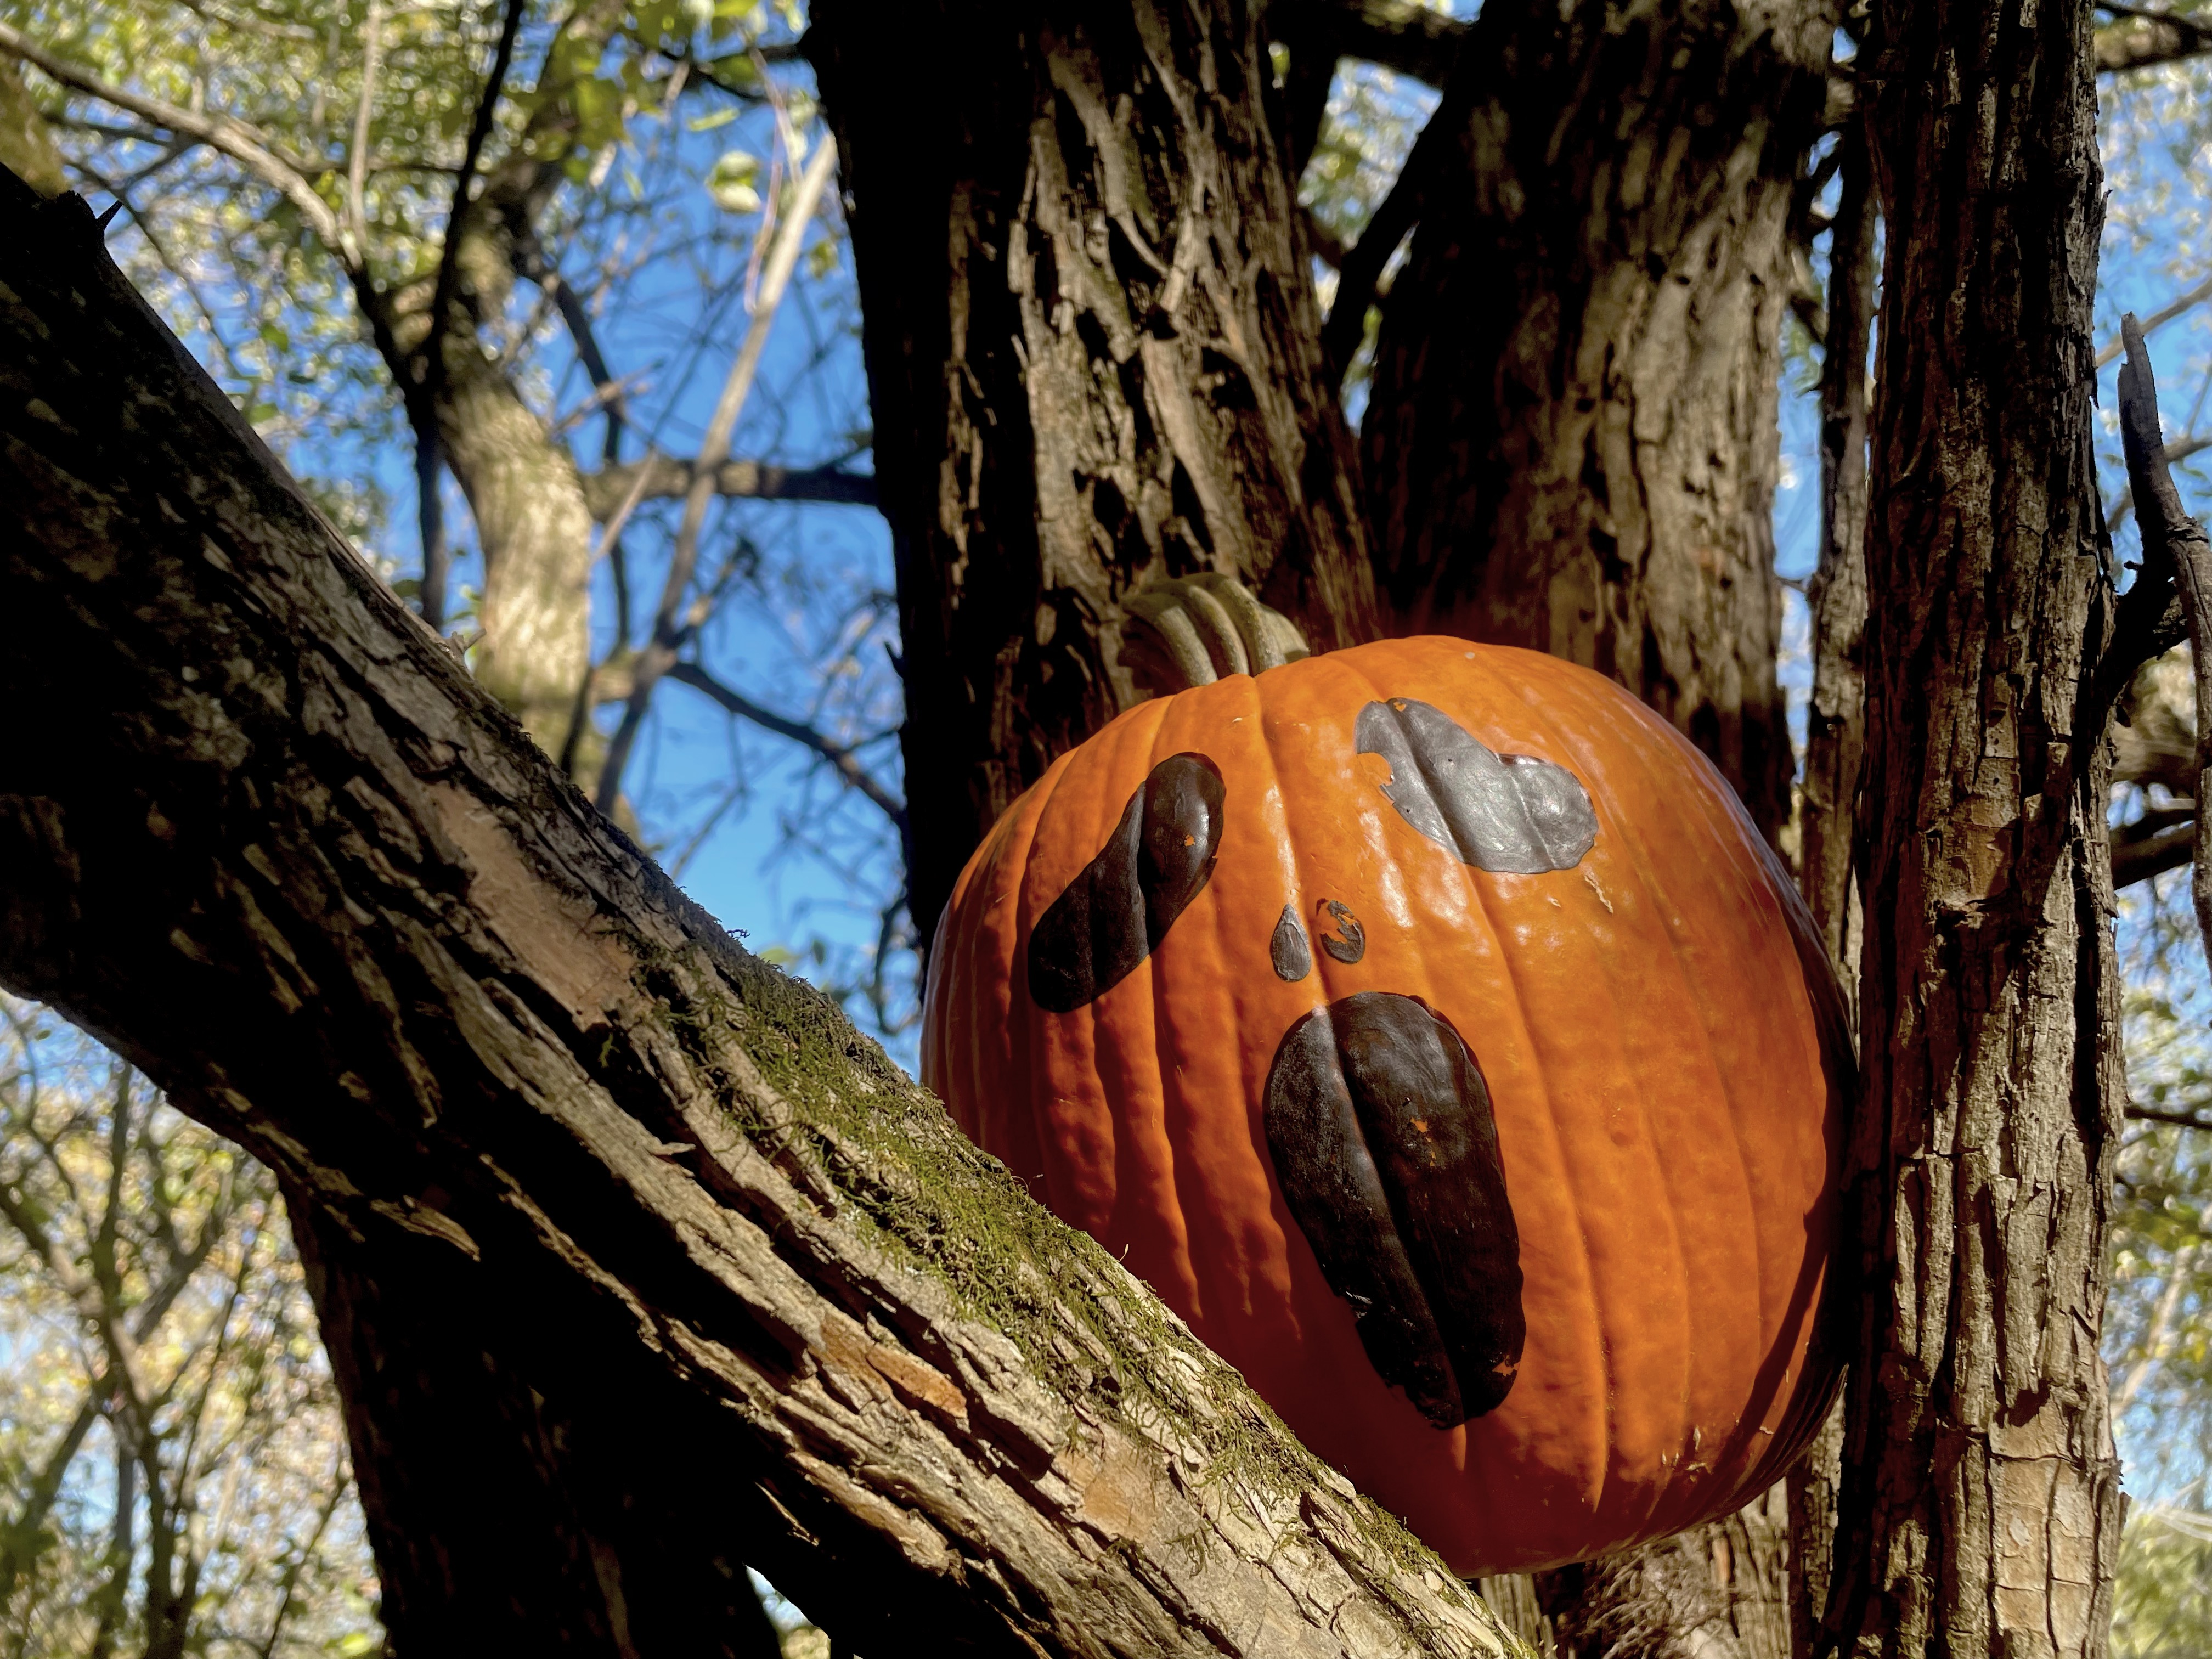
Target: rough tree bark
x=1835, y=748
x=745, y=1291
x=1093, y=354
x=1980, y=1501
x=1569, y=442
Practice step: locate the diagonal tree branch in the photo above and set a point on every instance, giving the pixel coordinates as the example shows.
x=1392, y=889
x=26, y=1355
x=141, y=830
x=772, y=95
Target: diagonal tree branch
x=2144, y=39
x=272, y=841
x=254, y=150
x=2173, y=544
x=2160, y=1114
x=659, y=653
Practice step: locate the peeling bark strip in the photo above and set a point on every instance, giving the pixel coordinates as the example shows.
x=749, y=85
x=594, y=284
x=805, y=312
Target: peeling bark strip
x=1980, y=1503
x=1570, y=442
x=1093, y=356
x=692, y=1262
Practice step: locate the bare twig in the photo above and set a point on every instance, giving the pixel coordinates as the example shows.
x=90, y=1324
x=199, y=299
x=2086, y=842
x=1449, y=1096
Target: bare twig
x=2178, y=307
x=843, y=759
x=2160, y=1114
x=357, y=162
x=2173, y=541
x=659, y=654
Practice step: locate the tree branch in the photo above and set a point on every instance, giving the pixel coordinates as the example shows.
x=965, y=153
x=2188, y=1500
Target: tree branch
x=2138, y=858
x=660, y=476
x=2160, y=1114
x=269, y=840
x=2172, y=542
x=2178, y=307
x=241, y=142
x=2180, y=450
x=357, y=161
x=659, y=653
x=842, y=759
x=1361, y=268
x=429, y=383
x=2143, y=40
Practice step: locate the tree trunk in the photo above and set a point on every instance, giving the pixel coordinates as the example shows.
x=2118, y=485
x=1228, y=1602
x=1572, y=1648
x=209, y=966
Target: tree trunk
x=1093, y=356
x=1980, y=1502
x=737, y=1290
x=1570, y=443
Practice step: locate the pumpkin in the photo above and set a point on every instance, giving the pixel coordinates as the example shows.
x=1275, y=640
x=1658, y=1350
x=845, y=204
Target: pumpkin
x=1429, y=1026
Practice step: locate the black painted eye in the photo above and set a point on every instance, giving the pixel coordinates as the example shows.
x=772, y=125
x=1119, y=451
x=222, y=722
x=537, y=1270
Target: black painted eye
x=1380, y=1129
x=1350, y=943
x=1288, y=950
x=1121, y=905
x=1510, y=813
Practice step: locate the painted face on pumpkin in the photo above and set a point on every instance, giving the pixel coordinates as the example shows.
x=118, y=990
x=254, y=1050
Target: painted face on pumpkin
x=1378, y=1120
x=1428, y=1027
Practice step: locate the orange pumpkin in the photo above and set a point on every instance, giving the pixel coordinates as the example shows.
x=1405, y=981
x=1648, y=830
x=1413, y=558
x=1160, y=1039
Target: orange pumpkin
x=1429, y=1026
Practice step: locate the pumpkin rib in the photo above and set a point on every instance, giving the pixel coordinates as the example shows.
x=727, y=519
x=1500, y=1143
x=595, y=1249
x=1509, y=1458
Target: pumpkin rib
x=1348, y=1369
x=1184, y=1179
x=1599, y=1436
x=1634, y=858
x=1741, y=1447
x=1603, y=1314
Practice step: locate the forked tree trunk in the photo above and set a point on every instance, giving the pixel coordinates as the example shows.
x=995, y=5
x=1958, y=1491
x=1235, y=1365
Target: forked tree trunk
x=1570, y=443
x=1980, y=1502
x=1093, y=356
x=715, y=1284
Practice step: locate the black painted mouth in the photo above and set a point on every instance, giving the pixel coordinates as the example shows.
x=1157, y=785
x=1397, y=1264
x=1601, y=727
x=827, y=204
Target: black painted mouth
x=1380, y=1128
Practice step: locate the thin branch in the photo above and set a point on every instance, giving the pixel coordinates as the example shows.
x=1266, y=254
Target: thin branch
x=2145, y=38
x=843, y=759
x=431, y=359
x=2174, y=542
x=659, y=476
x=2160, y=1114
x=1362, y=267
x=659, y=654
x=2158, y=319
x=357, y=162
x=2179, y=450
x=235, y=139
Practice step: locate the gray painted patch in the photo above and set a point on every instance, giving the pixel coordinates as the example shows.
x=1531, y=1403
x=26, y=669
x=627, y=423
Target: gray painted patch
x=1291, y=955
x=1350, y=943
x=1511, y=814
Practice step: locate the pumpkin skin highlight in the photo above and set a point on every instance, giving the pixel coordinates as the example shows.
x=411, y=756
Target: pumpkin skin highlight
x=1663, y=1043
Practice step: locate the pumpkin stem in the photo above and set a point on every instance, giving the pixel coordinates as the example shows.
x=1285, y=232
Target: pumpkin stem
x=1191, y=631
